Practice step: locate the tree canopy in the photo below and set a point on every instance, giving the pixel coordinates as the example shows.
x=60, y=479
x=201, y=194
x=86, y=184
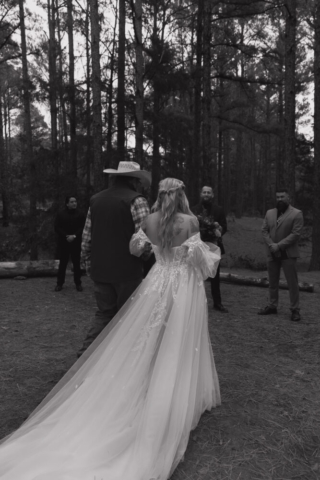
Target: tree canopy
x=212, y=92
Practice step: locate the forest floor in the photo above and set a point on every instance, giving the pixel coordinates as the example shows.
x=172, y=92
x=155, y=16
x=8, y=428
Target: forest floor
x=268, y=425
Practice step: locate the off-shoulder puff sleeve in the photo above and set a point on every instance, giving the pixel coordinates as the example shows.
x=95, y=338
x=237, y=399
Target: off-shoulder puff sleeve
x=204, y=257
x=138, y=242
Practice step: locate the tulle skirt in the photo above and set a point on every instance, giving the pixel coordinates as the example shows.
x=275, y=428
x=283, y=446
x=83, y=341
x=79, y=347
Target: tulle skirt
x=125, y=410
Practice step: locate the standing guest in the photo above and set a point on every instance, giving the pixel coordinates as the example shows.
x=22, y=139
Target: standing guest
x=213, y=224
x=281, y=231
x=68, y=226
x=115, y=214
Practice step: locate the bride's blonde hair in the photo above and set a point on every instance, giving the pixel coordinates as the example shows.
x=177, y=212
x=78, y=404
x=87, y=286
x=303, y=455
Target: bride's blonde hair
x=171, y=200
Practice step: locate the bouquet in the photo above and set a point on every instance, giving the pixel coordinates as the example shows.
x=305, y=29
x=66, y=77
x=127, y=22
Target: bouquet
x=210, y=230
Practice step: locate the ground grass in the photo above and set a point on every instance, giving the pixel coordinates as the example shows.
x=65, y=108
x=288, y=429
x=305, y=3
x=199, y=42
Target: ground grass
x=268, y=426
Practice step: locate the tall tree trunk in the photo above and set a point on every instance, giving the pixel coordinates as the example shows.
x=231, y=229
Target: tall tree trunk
x=88, y=109
x=226, y=170
x=239, y=175
x=156, y=159
x=187, y=167
x=264, y=171
x=254, y=207
x=220, y=148
x=290, y=95
x=52, y=72
x=110, y=116
x=96, y=95
x=137, y=24
x=267, y=141
x=3, y=173
x=197, y=75
x=240, y=164
x=156, y=162
x=280, y=161
x=63, y=128
x=121, y=81
x=206, y=128
x=52, y=57
x=315, y=256
x=29, y=147
x=221, y=161
x=72, y=101
x=8, y=150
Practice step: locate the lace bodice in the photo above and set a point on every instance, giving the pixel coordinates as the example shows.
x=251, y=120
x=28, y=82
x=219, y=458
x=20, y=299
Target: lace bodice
x=176, y=256
x=193, y=253
x=173, y=269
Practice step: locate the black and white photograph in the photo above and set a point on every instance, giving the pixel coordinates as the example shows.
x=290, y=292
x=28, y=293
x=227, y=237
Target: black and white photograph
x=159, y=240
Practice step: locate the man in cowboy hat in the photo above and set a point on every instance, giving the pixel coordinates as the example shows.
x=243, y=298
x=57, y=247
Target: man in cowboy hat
x=115, y=214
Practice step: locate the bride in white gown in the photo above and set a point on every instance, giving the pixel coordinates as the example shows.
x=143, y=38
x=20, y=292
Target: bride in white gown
x=125, y=410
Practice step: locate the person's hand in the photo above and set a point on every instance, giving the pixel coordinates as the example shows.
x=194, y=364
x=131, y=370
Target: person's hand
x=218, y=229
x=274, y=248
x=70, y=238
x=147, y=251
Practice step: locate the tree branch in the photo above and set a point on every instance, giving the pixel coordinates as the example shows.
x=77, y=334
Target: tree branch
x=7, y=38
x=260, y=81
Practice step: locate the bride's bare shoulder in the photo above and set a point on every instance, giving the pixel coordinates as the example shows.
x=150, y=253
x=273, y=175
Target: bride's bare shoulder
x=152, y=217
x=151, y=220
x=187, y=217
x=193, y=225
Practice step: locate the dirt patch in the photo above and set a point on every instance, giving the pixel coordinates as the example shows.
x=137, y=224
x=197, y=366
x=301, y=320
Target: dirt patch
x=268, y=426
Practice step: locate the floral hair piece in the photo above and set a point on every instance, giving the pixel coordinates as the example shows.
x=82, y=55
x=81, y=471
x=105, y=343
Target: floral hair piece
x=173, y=189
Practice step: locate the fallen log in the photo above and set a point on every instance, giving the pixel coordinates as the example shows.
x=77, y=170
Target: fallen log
x=261, y=282
x=49, y=268
x=36, y=268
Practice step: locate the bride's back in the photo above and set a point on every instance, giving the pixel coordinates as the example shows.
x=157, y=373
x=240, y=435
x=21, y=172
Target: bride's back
x=184, y=226
x=172, y=222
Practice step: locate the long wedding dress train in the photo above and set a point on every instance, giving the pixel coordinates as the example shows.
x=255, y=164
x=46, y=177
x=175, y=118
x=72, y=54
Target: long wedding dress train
x=126, y=412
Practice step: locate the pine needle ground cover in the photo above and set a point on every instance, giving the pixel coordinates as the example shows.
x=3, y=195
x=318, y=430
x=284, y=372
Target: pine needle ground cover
x=268, y=426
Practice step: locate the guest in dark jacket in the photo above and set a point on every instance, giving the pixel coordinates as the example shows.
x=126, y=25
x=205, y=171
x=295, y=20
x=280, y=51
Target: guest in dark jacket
x=68, y=226
x=213, y=225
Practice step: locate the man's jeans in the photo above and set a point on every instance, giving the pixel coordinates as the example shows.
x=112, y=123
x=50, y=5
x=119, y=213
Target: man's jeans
x=290, y=272
x=110, y=297
x=215, y=288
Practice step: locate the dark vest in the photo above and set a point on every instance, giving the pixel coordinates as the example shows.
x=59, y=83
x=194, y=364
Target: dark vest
x=111, y=230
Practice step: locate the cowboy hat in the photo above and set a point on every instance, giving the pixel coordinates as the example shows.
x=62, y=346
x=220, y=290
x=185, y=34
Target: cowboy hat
x=131, y=169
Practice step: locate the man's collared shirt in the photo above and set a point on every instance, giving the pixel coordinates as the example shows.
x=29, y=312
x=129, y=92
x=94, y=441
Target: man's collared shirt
x=139, y=210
